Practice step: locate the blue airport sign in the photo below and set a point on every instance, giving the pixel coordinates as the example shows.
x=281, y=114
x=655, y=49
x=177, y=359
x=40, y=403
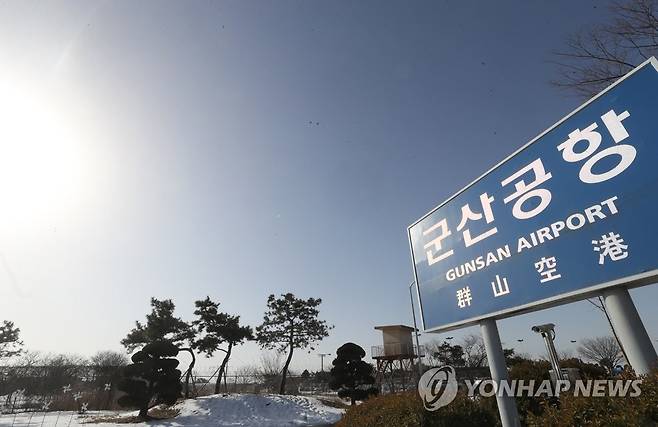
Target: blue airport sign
x=570, y=213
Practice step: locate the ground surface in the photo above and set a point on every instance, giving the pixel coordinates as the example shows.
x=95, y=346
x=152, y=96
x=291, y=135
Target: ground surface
x=235, y=410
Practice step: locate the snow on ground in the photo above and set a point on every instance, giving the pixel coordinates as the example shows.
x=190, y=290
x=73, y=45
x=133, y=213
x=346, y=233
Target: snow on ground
x=250, y=410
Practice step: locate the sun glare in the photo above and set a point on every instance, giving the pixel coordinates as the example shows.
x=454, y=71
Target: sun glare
x=41, y=160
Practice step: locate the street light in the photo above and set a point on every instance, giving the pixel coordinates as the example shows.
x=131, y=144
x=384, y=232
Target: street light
x=322, y=355
x=413, y=313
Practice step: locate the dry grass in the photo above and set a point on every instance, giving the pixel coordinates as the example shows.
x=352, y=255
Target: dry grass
x=157, y=413
x=333, y=402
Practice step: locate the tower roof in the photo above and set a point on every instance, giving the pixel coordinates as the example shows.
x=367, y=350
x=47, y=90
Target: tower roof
x=394, y=327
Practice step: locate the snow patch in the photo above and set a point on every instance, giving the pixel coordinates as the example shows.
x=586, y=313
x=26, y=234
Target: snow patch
x=221, y=411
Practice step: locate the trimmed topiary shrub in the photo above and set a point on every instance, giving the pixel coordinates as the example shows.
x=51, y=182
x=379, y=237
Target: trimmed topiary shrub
x=352, y=377
x=152, y=378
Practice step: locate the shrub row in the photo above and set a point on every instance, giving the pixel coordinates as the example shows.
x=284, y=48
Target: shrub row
x=406, y=409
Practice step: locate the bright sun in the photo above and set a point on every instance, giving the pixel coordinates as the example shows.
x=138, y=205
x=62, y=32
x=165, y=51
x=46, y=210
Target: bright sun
x=42, y=167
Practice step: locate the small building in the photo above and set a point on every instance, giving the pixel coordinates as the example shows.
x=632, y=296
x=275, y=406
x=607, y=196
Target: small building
x=396, y=357
x=396, y=341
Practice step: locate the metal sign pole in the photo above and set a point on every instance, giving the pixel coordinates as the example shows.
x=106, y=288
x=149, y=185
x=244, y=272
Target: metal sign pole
x=509, y=415
x=630, y=330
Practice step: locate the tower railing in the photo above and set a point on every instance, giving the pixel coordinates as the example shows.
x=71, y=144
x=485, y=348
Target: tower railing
x=396, y=350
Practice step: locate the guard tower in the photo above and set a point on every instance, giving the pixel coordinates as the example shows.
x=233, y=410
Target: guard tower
x=396, y=358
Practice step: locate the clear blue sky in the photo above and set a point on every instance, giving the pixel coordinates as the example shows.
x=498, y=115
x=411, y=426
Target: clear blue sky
x=237, y=149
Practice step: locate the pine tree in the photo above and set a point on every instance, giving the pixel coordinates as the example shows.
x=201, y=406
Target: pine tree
x=447, y=354
x=216, y=328
x=10, y=343
x=162, y=325
x=350, y=376
x=291, y=323
x=151, y=379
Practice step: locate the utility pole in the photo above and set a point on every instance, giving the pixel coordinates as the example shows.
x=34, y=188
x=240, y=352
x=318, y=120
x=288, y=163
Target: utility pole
x=322, y=355
x=413, y=313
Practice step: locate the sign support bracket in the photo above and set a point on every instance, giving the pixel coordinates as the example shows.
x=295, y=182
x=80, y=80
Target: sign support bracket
x=509, y=415
x=628, y=326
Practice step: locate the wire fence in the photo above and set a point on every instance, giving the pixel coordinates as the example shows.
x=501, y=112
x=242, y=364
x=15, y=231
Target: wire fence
x=86, y=388
x=58, y=388
x=261, y=384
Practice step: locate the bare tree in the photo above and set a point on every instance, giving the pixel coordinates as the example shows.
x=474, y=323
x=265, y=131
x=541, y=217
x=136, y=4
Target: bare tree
x=601, y=306
x=245, y=378
x=109, y=358
x=270, y=368
x=475, y=355
x=596, y=57
x=22, y=368
x=432, y=352
x=28, y=358
x=602, y=350
x=270, y=363
x=565, y=354
x=107, y=365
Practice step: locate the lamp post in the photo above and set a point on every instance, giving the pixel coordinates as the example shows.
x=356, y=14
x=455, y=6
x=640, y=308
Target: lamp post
x=322, y=355
x=413, y=313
